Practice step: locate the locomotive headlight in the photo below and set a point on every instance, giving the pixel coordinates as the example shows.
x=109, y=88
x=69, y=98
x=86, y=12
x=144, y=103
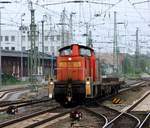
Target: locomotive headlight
x=69, y=58
x=51, y=83
x=87, y=82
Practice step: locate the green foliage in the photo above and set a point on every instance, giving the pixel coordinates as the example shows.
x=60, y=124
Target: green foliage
x=8, y=79
x=131, y=67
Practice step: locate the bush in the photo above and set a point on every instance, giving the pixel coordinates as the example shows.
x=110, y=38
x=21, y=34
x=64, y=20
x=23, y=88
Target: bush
x=8, y=79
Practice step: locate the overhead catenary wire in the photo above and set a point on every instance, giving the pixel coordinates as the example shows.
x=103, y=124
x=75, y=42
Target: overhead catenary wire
x=137, y=11
x=109, y=8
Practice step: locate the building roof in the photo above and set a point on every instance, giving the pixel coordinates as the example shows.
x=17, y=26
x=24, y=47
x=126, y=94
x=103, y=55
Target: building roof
x=9, y=53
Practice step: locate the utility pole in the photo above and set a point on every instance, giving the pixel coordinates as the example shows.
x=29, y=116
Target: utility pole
x=44, y=16
x=115, y=66
x=52, y=55
x=87, y=34
x=70, y=39
x=0, y=50
x=71, y=25
x=90, y=44
x=21, y=30
x=137, y=52
x=33, y=54
x=63, y=29
x=43, y=46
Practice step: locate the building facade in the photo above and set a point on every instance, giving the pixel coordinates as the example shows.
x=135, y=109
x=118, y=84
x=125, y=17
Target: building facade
x=14, y=40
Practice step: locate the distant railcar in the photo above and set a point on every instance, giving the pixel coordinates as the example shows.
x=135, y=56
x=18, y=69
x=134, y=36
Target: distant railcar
x=78, y=76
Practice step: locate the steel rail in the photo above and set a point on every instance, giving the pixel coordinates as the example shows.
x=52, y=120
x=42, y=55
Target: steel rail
x=110, y=122
x=128, y=110
x=144, y=121
x=23, y=104
x=64, y=113
x=137, y=102
x=138, y=120
x=121, y=114
x=135, y=85
x=51, y=118
x=27, y=102
x=11, y=91
x=10, y=122
x=97, y=114
x=14, y=89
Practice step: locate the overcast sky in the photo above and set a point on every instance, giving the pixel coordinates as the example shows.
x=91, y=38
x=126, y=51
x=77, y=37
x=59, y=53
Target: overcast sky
x=99, y=16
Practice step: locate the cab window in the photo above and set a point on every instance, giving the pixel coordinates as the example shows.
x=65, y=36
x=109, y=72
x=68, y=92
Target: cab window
x=65, y=52
x=85, y=52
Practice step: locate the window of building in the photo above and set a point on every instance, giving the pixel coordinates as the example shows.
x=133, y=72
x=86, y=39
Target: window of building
x=1, y=38
x=46, y=49
x=58, y=37
x=46, y=38
x=12, y=38
x=52, y=48
x=36, y=37
x=29, y=38
x=1, y=48
x=13, y=48
x=6, y=38
x=23, y=48
x=6, y=48
x=23, y=38
x=52, y=38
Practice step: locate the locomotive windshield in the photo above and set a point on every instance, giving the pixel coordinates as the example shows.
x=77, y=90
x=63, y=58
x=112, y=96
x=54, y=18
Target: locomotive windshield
x=85, y=52
x=66, y=51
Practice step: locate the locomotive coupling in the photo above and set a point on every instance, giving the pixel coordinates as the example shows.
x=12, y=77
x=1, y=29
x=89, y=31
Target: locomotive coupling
x=69, y=93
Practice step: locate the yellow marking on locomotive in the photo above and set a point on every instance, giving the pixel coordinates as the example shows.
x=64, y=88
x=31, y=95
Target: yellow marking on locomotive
x=63, y=64
x=70, y=64
x=88, y=90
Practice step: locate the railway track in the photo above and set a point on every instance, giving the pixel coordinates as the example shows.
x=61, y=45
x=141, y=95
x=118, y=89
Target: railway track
x=18, y=104
x=123, y=120
x=96, y=120
x=131, y=86
x=146, y=122
x=127, y=119
x=116, y=119
x=6, y=92
x=14, y=89
x=39, y=119
x=27, y=120
x=102, y=117
x=105, y=111
x=145, y=116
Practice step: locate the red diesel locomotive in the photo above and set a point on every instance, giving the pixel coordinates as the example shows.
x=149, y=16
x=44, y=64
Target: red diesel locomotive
x=79, y=77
